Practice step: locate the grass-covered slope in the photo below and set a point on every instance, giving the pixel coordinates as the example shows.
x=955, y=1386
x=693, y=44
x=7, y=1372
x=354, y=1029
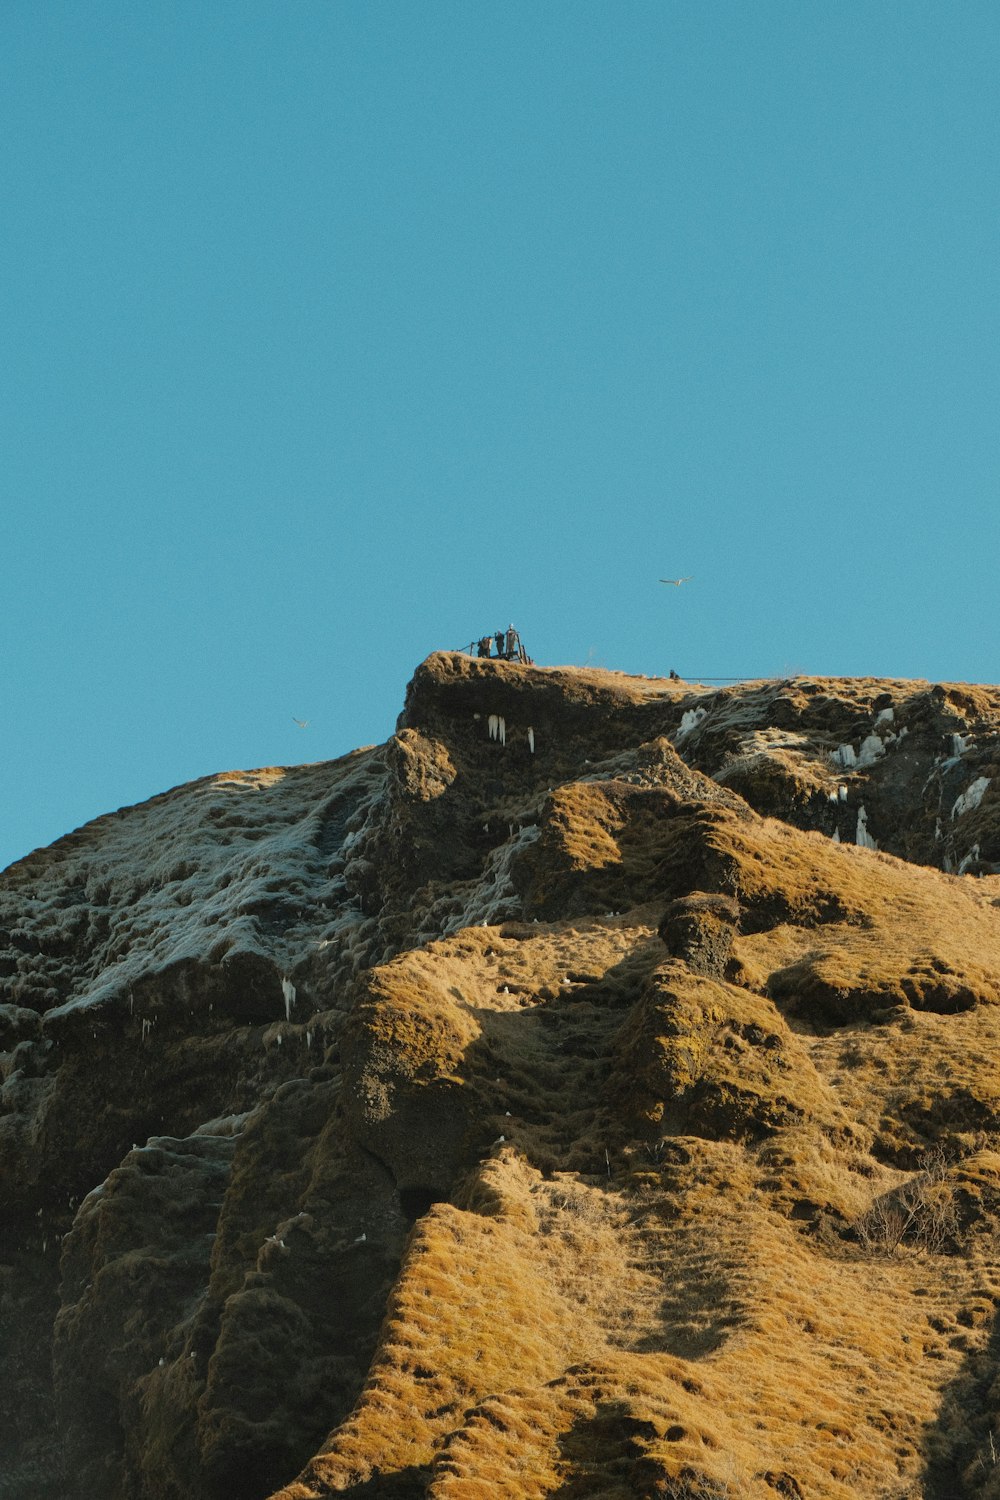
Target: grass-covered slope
x=556, y=1101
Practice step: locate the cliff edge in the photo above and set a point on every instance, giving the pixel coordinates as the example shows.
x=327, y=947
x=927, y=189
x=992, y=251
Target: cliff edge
x=591, y=1092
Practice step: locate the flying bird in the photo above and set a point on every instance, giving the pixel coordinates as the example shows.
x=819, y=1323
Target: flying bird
x=302, y=723
x=677, y=581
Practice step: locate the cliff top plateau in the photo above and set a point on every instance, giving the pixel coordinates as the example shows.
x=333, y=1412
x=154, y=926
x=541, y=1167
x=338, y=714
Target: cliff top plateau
x=590, y=1093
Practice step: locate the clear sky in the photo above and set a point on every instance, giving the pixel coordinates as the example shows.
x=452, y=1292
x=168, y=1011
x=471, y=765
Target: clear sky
x=337, y=331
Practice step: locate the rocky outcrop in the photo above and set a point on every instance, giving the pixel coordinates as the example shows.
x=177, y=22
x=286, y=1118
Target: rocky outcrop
x=589, y=1092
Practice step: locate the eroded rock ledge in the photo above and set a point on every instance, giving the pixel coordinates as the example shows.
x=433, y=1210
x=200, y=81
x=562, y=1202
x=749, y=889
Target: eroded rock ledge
x=518, y=1108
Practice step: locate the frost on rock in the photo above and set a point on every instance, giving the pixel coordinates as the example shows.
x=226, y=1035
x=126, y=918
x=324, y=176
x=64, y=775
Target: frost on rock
x=971, y=797
x=836, y=836
x=844, y=756
x=959, y=745
x=886, y=716
x=244, y=862
x=690, y=721
x=970, y=859
x=225, y=1125
x=492, y=898
x=16, y=1022
x=288, y=990
x=863, y=838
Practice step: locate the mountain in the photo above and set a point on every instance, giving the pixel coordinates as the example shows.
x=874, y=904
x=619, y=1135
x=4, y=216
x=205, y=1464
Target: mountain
x=591, y=1092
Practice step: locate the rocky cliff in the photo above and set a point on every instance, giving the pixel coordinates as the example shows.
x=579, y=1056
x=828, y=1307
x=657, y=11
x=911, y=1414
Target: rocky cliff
x=592, y=1092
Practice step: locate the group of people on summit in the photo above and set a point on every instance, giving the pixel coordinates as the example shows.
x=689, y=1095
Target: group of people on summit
x=508, y=646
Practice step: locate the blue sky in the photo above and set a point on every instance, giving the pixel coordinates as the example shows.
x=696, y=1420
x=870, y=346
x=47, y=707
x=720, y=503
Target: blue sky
x=337, y=331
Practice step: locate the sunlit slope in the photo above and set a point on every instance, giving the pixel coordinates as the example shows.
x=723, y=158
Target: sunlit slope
x=564, y=1098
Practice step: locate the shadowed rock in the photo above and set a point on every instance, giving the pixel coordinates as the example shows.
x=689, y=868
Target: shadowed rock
x=491, y=1112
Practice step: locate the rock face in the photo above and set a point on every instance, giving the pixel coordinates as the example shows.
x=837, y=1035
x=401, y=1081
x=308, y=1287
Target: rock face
x=590, y=1092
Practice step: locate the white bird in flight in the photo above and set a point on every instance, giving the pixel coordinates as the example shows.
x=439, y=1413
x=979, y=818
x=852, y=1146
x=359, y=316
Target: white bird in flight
x=302, y=723
x=677, y=581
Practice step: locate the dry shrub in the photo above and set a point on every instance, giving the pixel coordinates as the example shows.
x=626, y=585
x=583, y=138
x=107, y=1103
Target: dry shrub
x=696, y=1489
x=920, y=1212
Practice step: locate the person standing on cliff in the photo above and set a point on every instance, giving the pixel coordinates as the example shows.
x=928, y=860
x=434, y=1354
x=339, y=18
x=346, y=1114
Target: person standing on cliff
x=499, y=640
x=484, y=645
x=511, y=643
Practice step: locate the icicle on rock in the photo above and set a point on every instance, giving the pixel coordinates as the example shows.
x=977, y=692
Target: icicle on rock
x=288, y=990
x=871, y=748
x=494, y=726
x=531, y=740
x=863, y=838
x=971, y=797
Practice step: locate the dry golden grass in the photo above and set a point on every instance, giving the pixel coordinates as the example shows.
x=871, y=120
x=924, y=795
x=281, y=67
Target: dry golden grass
x=652, y=1279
